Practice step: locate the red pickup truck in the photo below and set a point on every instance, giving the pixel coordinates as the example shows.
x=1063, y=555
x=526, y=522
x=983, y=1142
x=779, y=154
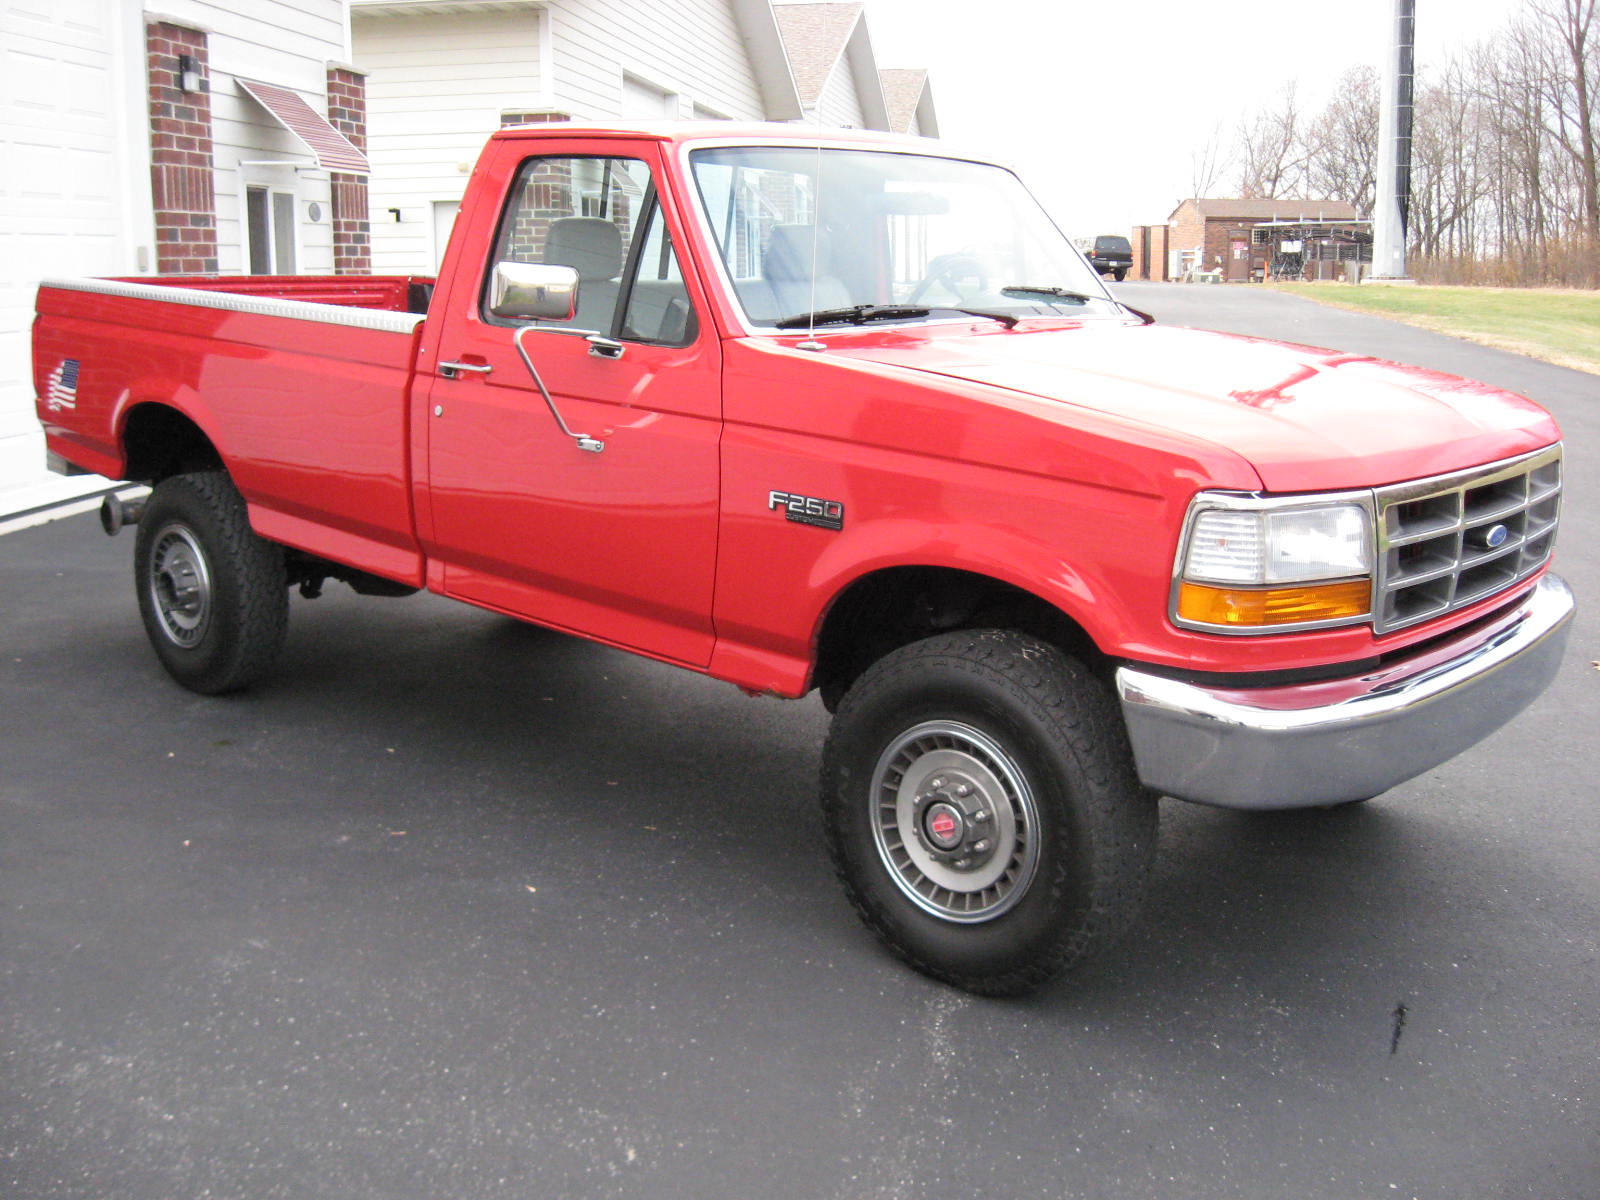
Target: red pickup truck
x=841, y=411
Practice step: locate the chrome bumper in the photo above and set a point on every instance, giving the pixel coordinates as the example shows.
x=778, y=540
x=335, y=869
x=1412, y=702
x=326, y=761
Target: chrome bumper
x=1343, y=739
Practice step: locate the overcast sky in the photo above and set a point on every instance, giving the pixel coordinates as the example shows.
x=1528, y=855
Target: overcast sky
x=1102, y=105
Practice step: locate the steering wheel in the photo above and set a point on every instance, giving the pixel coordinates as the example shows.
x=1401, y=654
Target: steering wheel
x=950, y=271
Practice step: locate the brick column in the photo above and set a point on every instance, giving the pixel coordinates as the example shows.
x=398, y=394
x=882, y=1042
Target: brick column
x=352, y=219
x=182, y=182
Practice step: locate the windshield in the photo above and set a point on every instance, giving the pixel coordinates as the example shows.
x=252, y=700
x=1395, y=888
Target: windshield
x=900, y=233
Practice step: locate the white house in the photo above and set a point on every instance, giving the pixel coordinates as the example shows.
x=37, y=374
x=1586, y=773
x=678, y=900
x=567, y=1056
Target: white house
x=211, y=136
x=444, y=74
x=192, y=139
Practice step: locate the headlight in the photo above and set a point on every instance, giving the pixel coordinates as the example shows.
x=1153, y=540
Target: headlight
x=1249, y=565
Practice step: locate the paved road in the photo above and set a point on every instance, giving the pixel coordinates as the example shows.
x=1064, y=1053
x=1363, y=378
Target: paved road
x=454, y=909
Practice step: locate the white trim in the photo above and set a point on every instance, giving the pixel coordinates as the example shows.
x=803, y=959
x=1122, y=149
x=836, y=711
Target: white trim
x=381, y=320
x=547, y=59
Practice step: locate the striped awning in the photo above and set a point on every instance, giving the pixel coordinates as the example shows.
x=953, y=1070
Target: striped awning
x=332, y=149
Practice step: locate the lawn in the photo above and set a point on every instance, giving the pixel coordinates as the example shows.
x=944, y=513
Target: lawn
x=1554, y=325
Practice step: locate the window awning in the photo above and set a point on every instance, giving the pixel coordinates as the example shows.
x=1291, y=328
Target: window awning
x=328, y=146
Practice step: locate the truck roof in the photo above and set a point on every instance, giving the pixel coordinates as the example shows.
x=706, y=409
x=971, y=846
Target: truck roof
x=767, y=132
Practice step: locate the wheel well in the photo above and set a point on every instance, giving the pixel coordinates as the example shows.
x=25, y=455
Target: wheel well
x=160, y=441
x=889, y=609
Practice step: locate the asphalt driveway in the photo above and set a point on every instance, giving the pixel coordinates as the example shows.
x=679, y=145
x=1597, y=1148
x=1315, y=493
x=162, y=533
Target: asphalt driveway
x=453, y=909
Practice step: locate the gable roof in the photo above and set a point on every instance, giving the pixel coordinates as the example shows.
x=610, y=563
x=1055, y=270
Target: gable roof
x=817, y=36
x=909, y=99
x=1282, y=208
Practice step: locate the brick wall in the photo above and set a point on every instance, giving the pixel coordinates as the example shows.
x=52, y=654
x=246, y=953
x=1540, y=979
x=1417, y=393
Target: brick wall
x=1149, y=251
x=181, y=153
x=352, y=223
x=1187, y=229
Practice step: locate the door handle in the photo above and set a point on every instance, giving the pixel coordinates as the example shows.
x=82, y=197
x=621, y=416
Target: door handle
x=454, y=370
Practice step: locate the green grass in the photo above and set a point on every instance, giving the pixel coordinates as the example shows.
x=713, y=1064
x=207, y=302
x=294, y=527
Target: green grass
x=1556, y=326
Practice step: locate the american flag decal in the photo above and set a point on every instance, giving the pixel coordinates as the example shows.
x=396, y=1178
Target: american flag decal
x=63, y=389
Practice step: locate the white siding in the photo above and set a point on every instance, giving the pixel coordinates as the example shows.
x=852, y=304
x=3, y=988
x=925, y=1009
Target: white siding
x=688, y=48
x=74, y=187
x=839, y=105
x=289, y=43
x=438, y=84
x=436, y=88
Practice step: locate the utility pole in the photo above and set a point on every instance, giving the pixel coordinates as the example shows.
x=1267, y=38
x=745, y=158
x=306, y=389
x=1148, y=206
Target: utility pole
x=1392, y=207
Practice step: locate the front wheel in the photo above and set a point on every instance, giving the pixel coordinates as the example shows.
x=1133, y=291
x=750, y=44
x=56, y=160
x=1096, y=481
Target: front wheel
x=982, y=810
x=213, y=595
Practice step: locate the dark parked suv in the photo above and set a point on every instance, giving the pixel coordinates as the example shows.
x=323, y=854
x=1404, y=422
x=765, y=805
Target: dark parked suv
x=1110, y=254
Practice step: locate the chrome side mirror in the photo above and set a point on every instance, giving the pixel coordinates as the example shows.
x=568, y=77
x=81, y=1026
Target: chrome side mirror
x=533, y=292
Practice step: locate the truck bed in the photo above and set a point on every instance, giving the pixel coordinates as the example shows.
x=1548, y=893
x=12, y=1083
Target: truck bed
x=238, y=356
x=391, y=293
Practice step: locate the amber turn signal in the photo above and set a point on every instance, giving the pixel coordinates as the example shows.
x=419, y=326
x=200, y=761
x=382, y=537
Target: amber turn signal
x=1258, y=607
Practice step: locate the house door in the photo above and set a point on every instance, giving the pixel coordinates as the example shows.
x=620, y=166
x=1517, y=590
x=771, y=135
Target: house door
x=1239, y=259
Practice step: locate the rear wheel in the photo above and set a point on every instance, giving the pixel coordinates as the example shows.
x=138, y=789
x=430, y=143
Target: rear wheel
x=982, y=810
x=213, y=595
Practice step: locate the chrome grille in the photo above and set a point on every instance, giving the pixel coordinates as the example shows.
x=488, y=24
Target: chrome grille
x=1448, y=542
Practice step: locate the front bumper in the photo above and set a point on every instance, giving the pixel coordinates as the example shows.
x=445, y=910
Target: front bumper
x=1344, y=739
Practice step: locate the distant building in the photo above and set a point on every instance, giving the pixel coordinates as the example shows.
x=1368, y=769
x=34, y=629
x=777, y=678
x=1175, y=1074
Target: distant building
x=1208, y=235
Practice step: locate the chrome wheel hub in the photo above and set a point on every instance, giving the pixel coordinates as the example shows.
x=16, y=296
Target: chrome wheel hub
x=180, y=585
x=955, y=822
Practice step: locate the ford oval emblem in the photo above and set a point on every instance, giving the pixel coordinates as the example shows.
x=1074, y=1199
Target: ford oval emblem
x=1495, y=536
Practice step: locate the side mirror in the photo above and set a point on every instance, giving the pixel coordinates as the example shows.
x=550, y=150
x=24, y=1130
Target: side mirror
x=533, y=292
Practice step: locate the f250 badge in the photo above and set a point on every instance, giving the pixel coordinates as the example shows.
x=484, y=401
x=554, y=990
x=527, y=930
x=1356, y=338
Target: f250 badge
x=808, y=510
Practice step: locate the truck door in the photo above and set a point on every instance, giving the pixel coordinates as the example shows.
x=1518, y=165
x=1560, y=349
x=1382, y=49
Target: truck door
x=612, y=534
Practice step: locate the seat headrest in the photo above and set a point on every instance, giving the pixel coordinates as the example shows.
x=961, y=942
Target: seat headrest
x=592, y=246
x=788, y=256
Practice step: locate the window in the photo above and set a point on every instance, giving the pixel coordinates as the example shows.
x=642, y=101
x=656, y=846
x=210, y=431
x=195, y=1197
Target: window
x=599, y=216
x=803, y=229
x=270, y=231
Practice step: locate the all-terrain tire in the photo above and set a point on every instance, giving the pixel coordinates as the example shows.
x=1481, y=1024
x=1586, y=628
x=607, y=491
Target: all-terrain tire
x=982, y=810
x=213, y=595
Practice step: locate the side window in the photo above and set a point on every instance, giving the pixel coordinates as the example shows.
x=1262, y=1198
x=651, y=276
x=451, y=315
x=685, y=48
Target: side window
x=599, y=217
x=657, y=303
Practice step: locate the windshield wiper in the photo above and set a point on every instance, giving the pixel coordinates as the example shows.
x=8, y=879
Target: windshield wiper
x=1056, y=293
x=856, y=314
x=1053, y=293
x=864, y=314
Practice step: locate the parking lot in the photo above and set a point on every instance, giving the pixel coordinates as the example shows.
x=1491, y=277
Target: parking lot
x=453, y=908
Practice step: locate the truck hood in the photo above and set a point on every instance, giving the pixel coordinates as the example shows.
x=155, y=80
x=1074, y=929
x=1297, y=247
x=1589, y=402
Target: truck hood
x=1306, y=419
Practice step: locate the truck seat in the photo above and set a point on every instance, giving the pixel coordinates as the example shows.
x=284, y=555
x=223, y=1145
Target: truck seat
x=591, y=246
x=784, y=289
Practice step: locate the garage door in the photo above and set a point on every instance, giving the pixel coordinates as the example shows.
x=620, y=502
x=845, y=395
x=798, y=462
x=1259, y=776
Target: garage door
x=74, y=185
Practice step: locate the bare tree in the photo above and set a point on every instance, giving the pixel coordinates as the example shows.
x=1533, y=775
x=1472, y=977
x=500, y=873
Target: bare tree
x=1271, y=150
x=1341, y=143
x=1571, y=27
x=1207, y=163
